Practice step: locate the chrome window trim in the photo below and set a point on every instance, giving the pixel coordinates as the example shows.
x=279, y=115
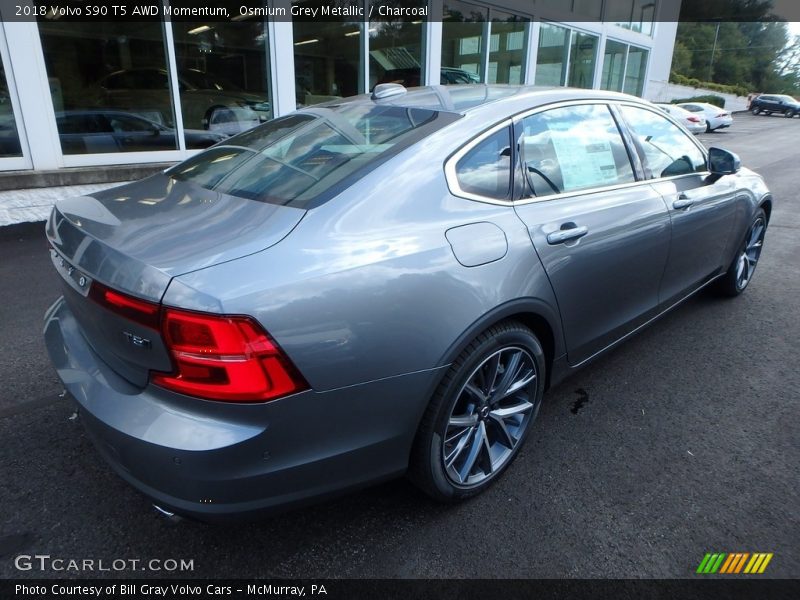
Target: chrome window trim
x=451, y=175
x=450, y=163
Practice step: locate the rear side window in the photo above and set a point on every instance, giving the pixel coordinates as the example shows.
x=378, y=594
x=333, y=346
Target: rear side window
x=571, y=149
x=667, y=150
x=486, y=169
x=299, y=158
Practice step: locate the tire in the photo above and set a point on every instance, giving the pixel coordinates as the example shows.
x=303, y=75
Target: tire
x=755, y=110
x=484, y=442
x=708, y=127
x=789, y=114
x=740, y=272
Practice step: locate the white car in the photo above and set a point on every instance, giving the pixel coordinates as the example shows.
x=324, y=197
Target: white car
x=695, y=123
x=716, y=117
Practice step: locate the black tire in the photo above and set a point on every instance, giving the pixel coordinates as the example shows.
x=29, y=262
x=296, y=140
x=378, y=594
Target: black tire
x=708, y=127
x=789, y=114
x=427, y=462
x=756, y=110
x=732, y=284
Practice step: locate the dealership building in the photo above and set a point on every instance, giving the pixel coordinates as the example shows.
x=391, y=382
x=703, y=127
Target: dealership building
x=87, y=104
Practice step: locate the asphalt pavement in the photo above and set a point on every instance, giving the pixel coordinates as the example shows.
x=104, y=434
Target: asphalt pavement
x=682, y=441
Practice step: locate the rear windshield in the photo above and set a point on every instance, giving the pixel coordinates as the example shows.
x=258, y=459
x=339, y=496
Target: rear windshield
x=309, y=156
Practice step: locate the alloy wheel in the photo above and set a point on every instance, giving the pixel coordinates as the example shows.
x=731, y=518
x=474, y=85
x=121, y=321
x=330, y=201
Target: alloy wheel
x=489, y=417
x=748, y=259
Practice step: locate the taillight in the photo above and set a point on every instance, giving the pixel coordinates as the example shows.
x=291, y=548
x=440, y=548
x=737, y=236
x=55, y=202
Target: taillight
x=693, y=119
x=722, y=115
x=139, y=311
x=221, y=357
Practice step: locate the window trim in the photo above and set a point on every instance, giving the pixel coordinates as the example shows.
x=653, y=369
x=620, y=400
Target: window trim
x=451, y=175
x=513, y=120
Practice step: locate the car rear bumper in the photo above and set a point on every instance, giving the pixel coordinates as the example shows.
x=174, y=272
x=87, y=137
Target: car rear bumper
x=218, y=461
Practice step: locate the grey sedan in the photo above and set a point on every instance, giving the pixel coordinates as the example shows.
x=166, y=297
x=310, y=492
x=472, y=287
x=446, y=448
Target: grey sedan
x=381, y=285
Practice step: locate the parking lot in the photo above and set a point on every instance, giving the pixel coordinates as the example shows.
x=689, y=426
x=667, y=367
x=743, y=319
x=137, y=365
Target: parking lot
x=680, y=442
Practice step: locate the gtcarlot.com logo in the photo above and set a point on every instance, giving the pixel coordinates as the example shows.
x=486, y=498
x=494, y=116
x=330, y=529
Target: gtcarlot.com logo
x=46, y=562
x=734, y=563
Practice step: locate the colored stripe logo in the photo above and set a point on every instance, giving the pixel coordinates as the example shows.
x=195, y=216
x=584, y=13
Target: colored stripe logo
x=734, y=563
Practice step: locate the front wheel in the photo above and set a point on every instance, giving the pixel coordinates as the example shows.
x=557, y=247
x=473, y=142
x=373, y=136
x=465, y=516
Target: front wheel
x=789, y=114
x=744, y=263
x=480, y=415
x=755, y=110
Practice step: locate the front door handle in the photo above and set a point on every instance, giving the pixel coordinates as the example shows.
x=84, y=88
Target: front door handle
x=682, y=202
x=565, y=235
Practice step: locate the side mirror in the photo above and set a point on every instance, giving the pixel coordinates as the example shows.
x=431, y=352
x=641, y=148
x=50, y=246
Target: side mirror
x=723, y=162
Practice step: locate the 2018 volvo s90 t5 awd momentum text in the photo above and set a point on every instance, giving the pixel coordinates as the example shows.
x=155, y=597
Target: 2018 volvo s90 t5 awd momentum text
x=382, y=285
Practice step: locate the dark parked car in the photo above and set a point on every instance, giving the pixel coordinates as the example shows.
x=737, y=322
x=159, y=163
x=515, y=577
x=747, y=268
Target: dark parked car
x=89, y=131
x=380, y=285
x=775, y=103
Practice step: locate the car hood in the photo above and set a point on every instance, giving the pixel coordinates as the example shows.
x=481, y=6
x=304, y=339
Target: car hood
x=137, y=237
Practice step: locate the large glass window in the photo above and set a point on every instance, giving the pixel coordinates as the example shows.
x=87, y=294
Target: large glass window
x=395, y=48
x=614, y=65
x=114, y=66
x=507, y=48
x=295, y=159
x=668, y=151
x=581, y=59
x=637, y=15
x=222, y=75
x=572, y=148
x=486, y=169
x=463, y=42
x=327, y=56
x=635, y=71
x=9, y=137
x=551, y=59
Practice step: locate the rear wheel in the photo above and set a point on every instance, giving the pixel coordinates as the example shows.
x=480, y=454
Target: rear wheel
x=755, y=110
x=789, y=114
x=744, y=263
x=480, y=415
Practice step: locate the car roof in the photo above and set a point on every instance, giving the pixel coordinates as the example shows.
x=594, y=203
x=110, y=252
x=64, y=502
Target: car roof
x=479, y=98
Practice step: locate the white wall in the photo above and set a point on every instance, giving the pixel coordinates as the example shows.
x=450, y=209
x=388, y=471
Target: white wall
x=664, y=91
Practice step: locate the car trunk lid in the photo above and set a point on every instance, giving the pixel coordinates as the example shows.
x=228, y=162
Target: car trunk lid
x=133, y=239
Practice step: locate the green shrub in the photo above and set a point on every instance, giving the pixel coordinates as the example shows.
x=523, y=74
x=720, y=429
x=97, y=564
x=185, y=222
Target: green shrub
x=708, y=98
x=738, y=90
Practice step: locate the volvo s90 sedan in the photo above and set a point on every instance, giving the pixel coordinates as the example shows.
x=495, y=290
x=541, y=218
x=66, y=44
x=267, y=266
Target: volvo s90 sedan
x=381, y=285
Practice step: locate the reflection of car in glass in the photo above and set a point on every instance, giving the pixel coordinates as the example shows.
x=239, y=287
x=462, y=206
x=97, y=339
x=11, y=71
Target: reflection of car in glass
x=411, y=77
x=775, y=103
x=716, y=117
x=381, y=284
x=90, y=131
x=695, y=123
x=207, y=102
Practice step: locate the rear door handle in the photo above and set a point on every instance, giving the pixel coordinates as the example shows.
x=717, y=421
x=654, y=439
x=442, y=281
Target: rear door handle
x=565, y=235
x=682, y=202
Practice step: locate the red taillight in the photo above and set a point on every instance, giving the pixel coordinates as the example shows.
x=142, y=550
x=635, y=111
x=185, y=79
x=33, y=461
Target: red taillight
x=693, y=119
x=224, y=358
x=722, y=115
x=139, y=311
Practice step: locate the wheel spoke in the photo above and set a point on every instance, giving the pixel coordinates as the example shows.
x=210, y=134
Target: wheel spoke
x=505, y=437
x=463, y=421
x=459, y=448
x=487, y=450
x=475, y=391
x=493, y=367
x=517, y=409
x=511, y=369
x=474, y=450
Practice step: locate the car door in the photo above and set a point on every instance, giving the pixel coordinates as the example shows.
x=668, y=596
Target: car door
x=701, y=207
x=602, y=236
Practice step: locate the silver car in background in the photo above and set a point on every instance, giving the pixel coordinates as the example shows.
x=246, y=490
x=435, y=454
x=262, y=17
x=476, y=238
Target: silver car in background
x=381, y=285
x=694, y=123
